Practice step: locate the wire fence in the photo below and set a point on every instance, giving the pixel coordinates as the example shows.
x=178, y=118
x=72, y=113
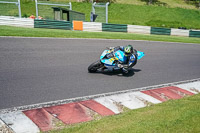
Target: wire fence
x=101, y=10
x=10, y=8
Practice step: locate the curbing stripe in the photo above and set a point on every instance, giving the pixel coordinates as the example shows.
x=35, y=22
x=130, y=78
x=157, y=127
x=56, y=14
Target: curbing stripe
x=191, y=87
x=19, y=123
x=108, y=104
x=70, y=113
x=128, y=100
x=41, y=118
x=166, y=93
x=77, y=112
x=145, y=97
x=99, y=108
x=77, y=99
x=131, y=100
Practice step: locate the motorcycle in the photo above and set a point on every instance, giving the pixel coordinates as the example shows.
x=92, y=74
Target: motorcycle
x=111, y=63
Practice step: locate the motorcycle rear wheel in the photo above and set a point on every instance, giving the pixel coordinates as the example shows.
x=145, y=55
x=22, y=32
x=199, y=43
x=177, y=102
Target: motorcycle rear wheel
x=95, y=66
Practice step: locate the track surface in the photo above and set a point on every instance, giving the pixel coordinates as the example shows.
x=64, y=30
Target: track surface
x=35, y=70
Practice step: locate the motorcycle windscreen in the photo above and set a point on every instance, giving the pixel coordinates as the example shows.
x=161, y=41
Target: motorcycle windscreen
x=140, y=54
x=104, y=54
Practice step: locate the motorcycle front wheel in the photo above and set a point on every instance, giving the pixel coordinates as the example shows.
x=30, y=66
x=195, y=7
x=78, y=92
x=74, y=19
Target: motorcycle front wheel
x=95, y=66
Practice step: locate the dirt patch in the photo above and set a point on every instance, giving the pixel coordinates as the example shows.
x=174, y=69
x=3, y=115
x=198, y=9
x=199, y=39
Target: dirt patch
x=93, y=114
x=195, y=90
x=5, y=129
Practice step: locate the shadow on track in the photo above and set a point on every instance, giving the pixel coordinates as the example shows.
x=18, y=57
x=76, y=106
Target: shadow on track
x=118, y=72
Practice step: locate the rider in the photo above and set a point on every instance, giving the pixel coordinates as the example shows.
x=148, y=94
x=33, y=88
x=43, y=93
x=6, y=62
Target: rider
x=130, y=55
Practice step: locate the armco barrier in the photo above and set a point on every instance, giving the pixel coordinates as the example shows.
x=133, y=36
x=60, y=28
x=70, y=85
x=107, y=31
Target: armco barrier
x=52, y=24
x=139, y=29
x=92, y=26
x=194, y=33
x=114, y=27
x=15, y=21
x=160, y=31
x=95, y=26
x=179, y=32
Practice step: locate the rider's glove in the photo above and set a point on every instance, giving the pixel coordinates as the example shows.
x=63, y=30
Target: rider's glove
x=111, y=48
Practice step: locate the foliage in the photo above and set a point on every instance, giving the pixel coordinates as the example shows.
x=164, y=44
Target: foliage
x=156, y=16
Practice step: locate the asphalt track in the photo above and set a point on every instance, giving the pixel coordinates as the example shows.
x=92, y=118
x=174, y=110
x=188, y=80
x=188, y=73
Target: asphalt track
x=36, y=70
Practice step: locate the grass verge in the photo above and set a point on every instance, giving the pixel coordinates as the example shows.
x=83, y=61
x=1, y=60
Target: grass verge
x=171, y=15
x=174, y=116
x=34, y=32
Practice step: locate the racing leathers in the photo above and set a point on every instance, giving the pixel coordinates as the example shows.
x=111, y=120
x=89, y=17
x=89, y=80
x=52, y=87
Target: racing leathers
x=130, y=61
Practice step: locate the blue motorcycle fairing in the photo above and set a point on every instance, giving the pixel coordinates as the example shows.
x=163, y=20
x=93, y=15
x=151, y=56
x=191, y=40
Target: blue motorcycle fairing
x=140, y=54
x=104, y=54
x=119, y=55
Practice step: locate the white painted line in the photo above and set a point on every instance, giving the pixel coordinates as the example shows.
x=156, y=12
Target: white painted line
x=19, y=123
x=109, y=104
x=193, y=87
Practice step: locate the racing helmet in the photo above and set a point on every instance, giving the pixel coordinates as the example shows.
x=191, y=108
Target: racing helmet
x=128, y=49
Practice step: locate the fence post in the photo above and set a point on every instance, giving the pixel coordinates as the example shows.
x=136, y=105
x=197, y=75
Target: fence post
x=107, y=12
x=93, y=9
x=36, y=6
x=19, y=8
x=70, y=6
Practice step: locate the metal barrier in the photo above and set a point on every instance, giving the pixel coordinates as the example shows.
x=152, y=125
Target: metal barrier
x=114, y=27
x=160, y=31
x=15, y=21
x=17, y=3
x=52, y=24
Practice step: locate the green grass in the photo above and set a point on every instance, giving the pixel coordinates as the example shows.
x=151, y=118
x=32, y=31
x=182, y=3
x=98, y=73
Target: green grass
x=169, y=3
x=35, y=32
x=174, y=116
x=155, y=16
